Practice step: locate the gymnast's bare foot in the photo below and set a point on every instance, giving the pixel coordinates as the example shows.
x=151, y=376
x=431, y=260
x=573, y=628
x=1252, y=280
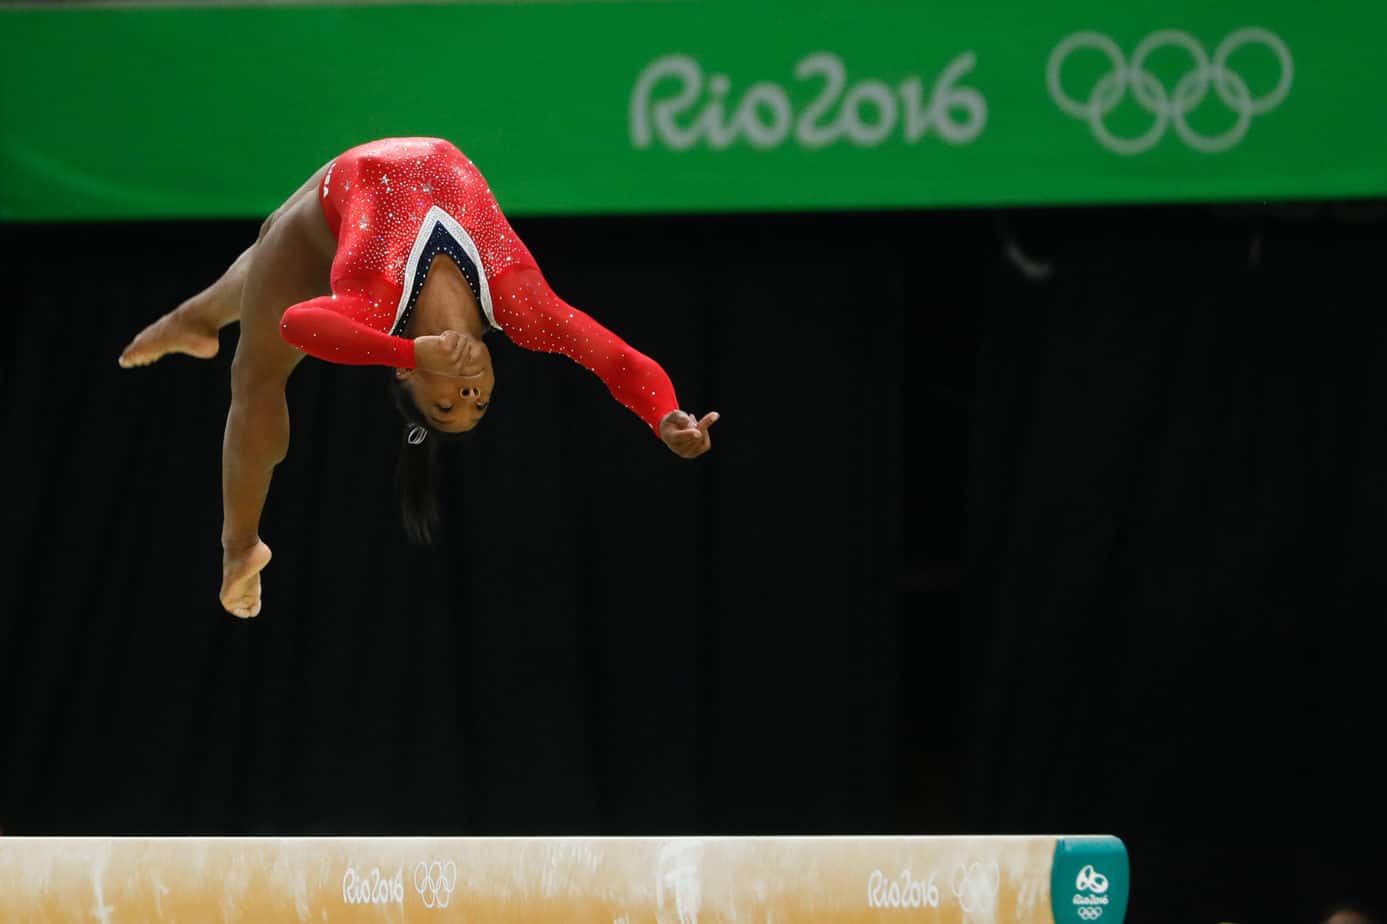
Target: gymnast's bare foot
x=241, y=569
x=183, y=330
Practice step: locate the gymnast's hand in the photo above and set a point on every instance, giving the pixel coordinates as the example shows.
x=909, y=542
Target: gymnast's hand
x=241, y=569
x=686, y=435
x=450, y=353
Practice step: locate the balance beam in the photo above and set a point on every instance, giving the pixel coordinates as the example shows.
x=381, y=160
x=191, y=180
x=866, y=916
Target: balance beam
x=680, y=880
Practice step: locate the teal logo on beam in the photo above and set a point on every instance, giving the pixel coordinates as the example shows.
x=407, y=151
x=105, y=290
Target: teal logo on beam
x=1089, y=881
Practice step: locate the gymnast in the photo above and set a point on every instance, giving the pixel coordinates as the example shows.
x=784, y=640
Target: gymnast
x=394, y=254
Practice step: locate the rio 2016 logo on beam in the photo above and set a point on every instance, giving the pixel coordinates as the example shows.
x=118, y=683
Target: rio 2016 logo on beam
x=1169, y=107
x=865, y=114
x=903, y=892
x=373, y=888
x=1090, y=906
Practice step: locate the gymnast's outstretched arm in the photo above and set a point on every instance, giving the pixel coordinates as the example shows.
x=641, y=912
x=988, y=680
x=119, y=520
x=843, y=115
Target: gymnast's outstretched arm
x=537, y=319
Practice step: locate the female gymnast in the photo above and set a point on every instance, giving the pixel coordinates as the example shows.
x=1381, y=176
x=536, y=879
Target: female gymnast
x=394, y=254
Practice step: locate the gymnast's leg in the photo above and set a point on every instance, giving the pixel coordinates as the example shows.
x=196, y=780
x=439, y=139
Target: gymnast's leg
x=192, y=327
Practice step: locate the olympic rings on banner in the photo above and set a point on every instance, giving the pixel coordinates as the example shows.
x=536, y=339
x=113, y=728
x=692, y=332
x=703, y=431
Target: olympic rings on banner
x=1169, y=107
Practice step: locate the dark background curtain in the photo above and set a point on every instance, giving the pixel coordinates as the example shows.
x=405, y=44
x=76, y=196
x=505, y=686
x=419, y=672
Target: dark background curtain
x=1060, y=522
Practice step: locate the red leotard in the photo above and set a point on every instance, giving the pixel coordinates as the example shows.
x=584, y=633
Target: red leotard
x=394, y=205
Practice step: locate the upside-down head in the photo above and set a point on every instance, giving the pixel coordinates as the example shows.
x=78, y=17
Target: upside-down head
x=437, y=409
x=450, y=403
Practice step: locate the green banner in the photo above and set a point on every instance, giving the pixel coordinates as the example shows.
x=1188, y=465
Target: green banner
x=698, y=105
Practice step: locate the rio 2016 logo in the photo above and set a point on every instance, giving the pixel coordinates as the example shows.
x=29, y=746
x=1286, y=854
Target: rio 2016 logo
x=373, y=888
x=864, y=114
x=905, y=891
x=1090, y=907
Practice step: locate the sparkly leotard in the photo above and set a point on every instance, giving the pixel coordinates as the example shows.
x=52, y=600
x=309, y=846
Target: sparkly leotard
x=394, y=205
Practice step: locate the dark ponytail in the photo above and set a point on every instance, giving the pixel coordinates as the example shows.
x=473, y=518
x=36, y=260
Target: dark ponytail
x=419, y=468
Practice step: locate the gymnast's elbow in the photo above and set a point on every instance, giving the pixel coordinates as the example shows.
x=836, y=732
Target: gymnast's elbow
x=296, y=327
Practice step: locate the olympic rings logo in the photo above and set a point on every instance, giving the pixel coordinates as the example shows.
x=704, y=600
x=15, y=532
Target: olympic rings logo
x=434, y=881
x=975, y=886
x=1090, y=914
x=1169, y=107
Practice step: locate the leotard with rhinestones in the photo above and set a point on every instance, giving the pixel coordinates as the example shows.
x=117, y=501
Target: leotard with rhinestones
x=394, y=205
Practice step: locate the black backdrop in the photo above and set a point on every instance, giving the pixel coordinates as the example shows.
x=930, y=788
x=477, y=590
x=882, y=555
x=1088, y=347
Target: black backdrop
x=1085, y=536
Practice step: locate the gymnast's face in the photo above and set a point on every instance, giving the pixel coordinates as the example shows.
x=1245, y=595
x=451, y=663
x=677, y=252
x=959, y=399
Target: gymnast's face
x=452, y=403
